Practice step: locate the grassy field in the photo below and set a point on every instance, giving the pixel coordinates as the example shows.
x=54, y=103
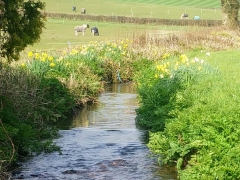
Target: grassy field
x=59, y=33
x=172, y=9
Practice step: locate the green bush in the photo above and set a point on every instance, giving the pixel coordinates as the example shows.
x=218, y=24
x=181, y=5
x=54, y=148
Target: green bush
x=160, y=90
x=202, y=139
x=19, y=136
x=158, y=101
x=58, y=100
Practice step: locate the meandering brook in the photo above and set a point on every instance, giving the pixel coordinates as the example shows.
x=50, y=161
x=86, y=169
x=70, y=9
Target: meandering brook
x=100, y=143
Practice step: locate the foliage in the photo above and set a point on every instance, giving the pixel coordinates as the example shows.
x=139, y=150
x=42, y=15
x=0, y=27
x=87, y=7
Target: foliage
x=45, y=87
x=24, y=134
x=160, y=90
x=230, y=13
x=202, y=138
x=58, y=99
x=180, y=97
x=104, y=59
x=69, y=69
x=30, y=106
x=21, y=25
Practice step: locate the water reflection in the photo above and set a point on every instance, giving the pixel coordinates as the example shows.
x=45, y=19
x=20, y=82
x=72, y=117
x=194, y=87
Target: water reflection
x=122, y=88
x=119, y=100
x=100, y=143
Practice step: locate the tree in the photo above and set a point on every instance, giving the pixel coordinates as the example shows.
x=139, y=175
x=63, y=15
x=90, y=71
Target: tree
x=21, y=25
x=230, y=13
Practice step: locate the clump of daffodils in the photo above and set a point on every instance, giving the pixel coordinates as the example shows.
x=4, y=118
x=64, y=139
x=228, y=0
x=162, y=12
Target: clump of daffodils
x=167, y=69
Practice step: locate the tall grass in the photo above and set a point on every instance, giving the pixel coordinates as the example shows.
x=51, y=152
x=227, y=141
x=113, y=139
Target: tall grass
x=154, y=43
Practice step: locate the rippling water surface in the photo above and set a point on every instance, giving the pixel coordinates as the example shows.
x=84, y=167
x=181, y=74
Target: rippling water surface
x=100, y=143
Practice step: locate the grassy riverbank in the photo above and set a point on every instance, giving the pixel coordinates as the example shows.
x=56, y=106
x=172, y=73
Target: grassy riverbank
x=190, y=106
x=50, y=84
x=187, y=81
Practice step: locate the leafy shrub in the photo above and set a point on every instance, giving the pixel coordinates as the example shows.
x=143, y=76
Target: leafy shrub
x=160, y=91
x=20, y=136
x=158, y=101
x=202, y=138
x=57, y=98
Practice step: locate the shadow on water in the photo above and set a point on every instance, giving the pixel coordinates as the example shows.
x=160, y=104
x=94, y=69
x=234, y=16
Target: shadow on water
x=100, y=143
x=117, y=98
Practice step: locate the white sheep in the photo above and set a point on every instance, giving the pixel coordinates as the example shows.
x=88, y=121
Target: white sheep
x=184, y=16
x=83, y=11
x=82, y=29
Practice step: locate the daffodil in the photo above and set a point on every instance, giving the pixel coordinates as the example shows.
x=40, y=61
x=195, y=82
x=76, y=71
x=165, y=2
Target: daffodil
x=36, y=55
x=67, y=64
x=166, y=55
x=30, y=54
x=44, y=55
x=23, y=65
x=50, y=58
x=183, y=58
x=159, y=67
x=51, y=64
x=43, y=59
x=64, y=52
x=176, y=67
x=74, y=51
x=196, y=59
x=208, y=53
x=60, y=58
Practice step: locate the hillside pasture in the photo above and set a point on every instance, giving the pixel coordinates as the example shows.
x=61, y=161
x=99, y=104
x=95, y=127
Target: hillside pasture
x=172, y=9
x=59, y=33
x=192, y=3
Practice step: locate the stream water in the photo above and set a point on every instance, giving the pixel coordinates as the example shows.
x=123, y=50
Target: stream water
x=100, y=143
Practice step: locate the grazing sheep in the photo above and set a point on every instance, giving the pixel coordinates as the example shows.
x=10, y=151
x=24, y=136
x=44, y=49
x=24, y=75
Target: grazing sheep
x=74, y=8
x=196, y=17
x=95, y=31
x=83, y=11
x=184, y=16
x=82, y=29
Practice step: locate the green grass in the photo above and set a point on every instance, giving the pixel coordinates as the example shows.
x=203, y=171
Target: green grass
x=172, y=9
x=192, y=3
x=59, y=33
x=200, y=138
x=227, y=62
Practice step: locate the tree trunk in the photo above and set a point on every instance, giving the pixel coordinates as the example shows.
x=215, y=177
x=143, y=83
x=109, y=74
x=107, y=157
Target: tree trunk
x=230, y=13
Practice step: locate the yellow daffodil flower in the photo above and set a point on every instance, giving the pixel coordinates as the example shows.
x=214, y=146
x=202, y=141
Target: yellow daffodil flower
x=30, y=54
x=51, y=64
